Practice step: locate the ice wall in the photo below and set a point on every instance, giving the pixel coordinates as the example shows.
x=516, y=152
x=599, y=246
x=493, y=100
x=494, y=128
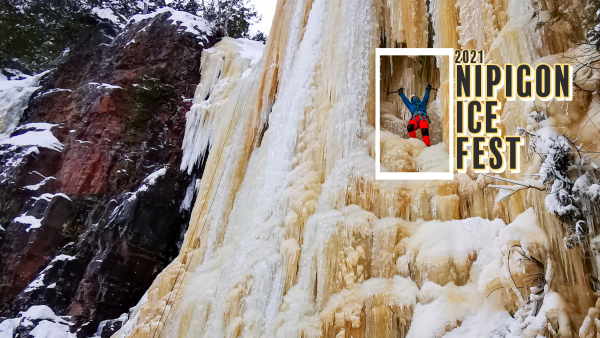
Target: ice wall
x=15, y=91
x=291, y=235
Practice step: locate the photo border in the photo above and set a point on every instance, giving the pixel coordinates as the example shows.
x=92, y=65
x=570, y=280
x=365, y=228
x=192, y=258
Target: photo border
x=413, y=175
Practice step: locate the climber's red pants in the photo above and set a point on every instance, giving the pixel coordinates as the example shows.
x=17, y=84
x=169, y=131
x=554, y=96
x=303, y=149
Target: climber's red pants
x=416, y=123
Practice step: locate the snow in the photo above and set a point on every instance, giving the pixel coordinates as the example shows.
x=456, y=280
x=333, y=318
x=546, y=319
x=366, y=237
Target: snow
x=15, y=160
x=104, y=85
x=453, y=238
x=14, y=97
x=8, y=326
x=192, y=24
x=35, y=187
x=594, y=191
x=526, y=231
x=42, y=138
x=401, y=155
x=405, y=291
x=444, y=251
x=505, y=191
x=548, y=142
x=47, y=329
x=152, y=178
x=33, y=222
x=553, y=200
x=39, y=312
x=448, y=309
x=250, y=49
x=491, y=321
x=55, y=90
x=49, y=324
x=149, y=181
x=48, y=197
x=37, y=126
x=433, y=159
x=108, y=14
x=38, y=282
x=63, y=258
x=553, y=311
x=583, y=187
x=122, y=318
x=470, y=310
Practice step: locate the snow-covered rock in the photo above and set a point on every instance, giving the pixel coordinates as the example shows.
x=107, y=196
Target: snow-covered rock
x=187, y=22
x=38, y=321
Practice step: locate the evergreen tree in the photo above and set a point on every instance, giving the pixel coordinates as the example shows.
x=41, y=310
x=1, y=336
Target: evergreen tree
x=127, y=8
x=231, y=18
x=190, y=6
x=36, y=32
x=33, y=33
x=260, y=36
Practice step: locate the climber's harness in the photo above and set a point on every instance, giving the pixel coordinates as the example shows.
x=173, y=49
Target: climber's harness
x=423, y=116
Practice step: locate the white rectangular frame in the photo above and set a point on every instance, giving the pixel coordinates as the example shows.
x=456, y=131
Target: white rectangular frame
x=424, y=175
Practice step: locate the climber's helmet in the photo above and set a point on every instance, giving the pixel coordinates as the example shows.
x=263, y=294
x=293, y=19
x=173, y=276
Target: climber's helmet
x=415, y=100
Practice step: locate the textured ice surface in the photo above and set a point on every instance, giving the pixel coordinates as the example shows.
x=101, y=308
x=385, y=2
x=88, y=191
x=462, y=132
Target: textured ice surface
x=291, y=235
x=14, y=96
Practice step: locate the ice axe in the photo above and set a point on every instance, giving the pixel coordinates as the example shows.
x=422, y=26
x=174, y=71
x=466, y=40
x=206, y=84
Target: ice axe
x=396, y=92
x=430, y=87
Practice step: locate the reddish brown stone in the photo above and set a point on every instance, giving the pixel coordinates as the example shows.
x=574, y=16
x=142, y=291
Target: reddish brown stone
x=113, y=138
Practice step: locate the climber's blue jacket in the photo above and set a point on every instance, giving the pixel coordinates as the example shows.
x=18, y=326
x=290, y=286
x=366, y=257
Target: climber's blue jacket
x=417, y=106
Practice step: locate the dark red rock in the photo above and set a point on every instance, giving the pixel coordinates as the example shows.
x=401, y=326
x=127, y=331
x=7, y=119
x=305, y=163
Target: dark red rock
x=60, y=280
x=130, y=231
x=26, y=249
x=111, y=124
x=114, y=136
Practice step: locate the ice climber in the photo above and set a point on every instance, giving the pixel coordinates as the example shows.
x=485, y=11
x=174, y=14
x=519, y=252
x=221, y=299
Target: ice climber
x=418, y=109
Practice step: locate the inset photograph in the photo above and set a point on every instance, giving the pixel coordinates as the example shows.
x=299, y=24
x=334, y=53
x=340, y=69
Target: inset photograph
x=413, y=114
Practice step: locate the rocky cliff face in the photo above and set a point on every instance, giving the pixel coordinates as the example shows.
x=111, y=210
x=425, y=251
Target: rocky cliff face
x=307, y=243
x=92, y=195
